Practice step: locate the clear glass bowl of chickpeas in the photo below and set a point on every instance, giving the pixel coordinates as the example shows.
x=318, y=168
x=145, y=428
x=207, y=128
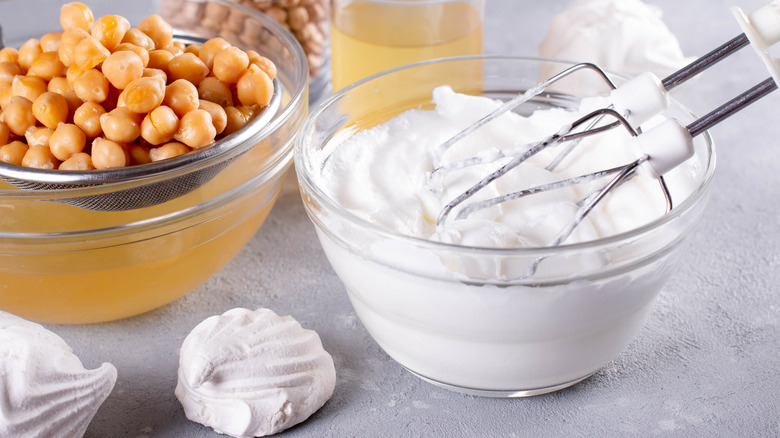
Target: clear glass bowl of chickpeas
x=101, y=87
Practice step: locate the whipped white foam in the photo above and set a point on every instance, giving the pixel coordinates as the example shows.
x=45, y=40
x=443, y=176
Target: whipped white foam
x=382, y=175
x=626, y=36
x=253, y=373
x=46, y=391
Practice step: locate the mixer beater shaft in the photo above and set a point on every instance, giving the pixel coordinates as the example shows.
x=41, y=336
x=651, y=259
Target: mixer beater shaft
x=664, y=146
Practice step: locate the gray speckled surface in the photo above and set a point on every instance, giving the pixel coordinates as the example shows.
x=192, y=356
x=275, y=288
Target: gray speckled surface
x=706, y=364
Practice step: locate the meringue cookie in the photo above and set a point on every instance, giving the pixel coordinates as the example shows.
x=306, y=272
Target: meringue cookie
x=624, y=36
x=253, y=373
x=45, y=389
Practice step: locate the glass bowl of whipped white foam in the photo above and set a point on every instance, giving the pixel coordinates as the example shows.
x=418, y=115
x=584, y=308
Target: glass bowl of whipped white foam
x=482, y=304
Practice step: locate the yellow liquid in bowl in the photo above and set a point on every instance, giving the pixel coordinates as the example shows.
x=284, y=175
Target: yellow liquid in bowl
x=54, y=294
x=68, y=281
x=367, y=38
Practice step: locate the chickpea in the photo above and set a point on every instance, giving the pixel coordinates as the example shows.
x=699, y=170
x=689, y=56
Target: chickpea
x=5, y=86
x=160, y=125
x=140, y=51
x=107, y=154
x=13, y=153
x=5, y=83
x=19, y=116
x=5, y=133
x=72, y=73
x=215, y=14
x=159, y=59
x=68, y=42
x=90, y=52
x=38, y=136
x=218, y=115
x=254, y=87
x=214, y=90
x=230, y=64
x=29, y=87
x=28, y=52
x=136, y=37
x=193, y=48
x=40, y=157
x=121, y=125
x=120, y=102
x=237, y=118
x=264, y=63
x=168, y=150
x=66, y=140
x=50, y=109
x=109, y=30
x=91, y=86
x=46, y=66
x=87, y=117
x=174, y=50
x=297, y=17
x=143, y=94
x=6, y=93
x=77, y=161
x=279, y=15
x=155, y=72
x=50, y=42
x=112, y=100
x=210, y=49
x=76, y=15
x=9, y=54
x=139, y=155
x=196, y=129
x=8, y=70
x=187, y=66
x=59, y=85
x=157, y=29
x=121, y=68
x=181, y=96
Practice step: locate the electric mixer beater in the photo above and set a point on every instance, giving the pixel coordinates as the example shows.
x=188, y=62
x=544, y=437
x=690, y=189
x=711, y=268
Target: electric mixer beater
x=662, y=147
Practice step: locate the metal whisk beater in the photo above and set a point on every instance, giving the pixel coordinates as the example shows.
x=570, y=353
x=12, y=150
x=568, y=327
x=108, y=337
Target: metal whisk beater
x=664, y=146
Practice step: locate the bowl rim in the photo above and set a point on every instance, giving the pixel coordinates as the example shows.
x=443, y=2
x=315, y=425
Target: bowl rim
x=300, y=160
x=193, y=215
x=243, y=140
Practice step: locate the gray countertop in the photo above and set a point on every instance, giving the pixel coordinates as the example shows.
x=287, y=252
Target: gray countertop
x=706, y=364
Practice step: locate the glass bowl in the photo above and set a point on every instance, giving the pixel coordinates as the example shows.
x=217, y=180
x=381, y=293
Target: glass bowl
x=60, y=263
x=502, y=336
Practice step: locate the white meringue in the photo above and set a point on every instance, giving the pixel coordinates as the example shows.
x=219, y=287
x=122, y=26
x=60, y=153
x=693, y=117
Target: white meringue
x=46, y=392
x=624, y=36
x=253, y=373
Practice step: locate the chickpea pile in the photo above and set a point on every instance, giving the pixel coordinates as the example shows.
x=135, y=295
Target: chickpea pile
x=101, y=94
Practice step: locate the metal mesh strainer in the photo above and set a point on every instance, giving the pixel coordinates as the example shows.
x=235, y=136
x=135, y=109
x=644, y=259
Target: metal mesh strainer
x=142, y=195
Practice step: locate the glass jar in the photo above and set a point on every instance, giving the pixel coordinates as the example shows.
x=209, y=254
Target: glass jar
x=370, y=36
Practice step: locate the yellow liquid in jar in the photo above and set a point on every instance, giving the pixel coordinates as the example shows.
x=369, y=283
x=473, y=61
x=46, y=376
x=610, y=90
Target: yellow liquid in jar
x=367, y=38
